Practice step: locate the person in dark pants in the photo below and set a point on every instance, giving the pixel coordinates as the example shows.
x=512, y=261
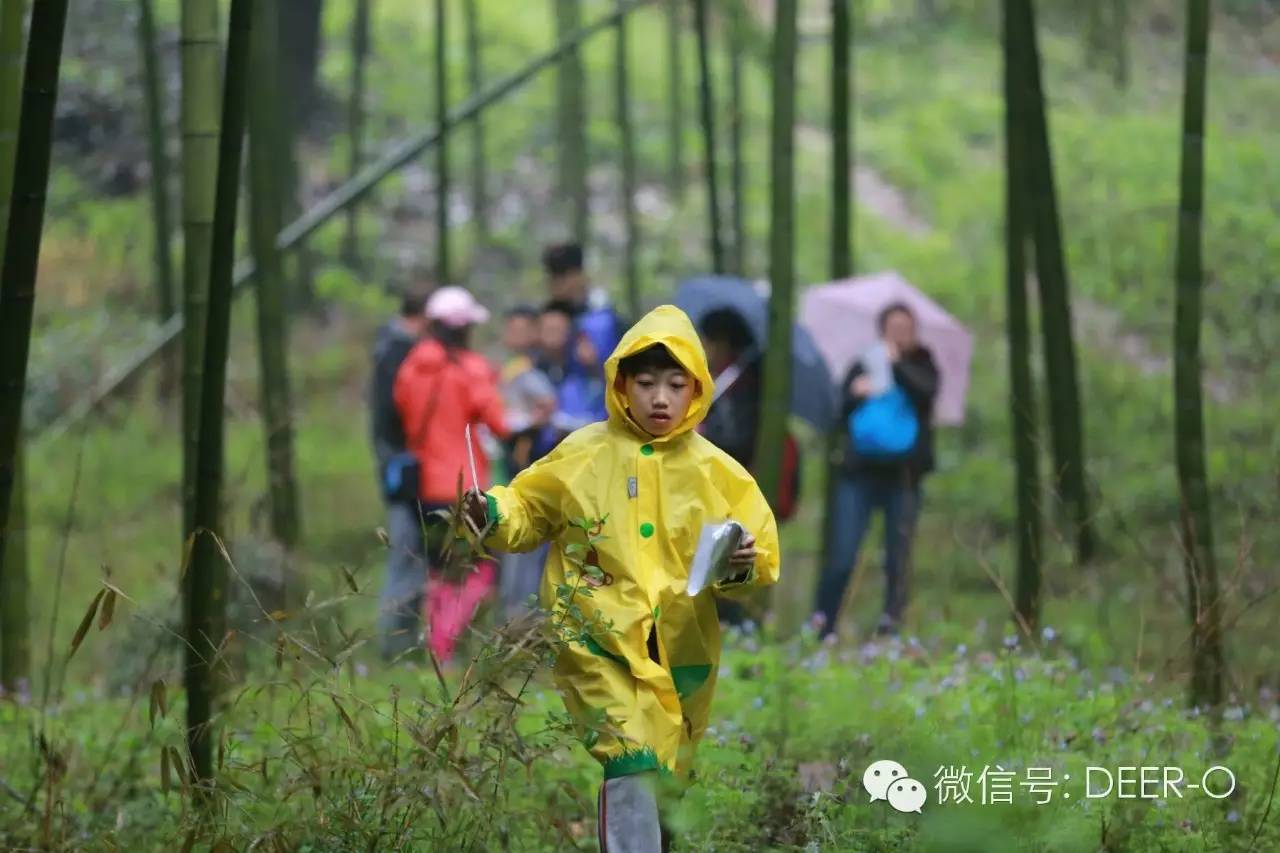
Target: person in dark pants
x=881, y=473
x=402, y=593
x=733, y=418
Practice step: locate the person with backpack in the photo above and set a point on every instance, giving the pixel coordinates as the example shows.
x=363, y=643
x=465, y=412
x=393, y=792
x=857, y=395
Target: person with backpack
x=402, y=592
x=888, y=450
x=442, y=388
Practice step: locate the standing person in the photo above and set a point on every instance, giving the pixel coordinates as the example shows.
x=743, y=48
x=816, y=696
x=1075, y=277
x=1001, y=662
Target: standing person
x=597, y=326
x=735, y=363
x=442, y=387
x=580, y=396
x=531, y=402
x=529, y=395
x=641, y=689
x=402, y=591
x=888, y=404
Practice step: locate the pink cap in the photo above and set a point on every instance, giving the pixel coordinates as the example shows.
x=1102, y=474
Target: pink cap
x=454, y=306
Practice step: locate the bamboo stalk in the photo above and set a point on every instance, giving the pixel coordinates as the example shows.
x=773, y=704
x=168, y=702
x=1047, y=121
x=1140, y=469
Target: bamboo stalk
x=23, y=230
x=572, y=125
x=475, y=83
x=736, y=45
x=158, y=154
x=15, y=630
x=1022, y=404
x=266, y=212
x=622, y=96
x=201, y=67
x=1066, y=431
x=442, y=149
x=355, y=123
x=205, y=580
x=706, y=102
x=775, y=403
x=1196, y=521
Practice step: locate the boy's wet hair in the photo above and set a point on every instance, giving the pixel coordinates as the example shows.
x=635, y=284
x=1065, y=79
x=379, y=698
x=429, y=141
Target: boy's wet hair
x=653, y=359
x=562, y=258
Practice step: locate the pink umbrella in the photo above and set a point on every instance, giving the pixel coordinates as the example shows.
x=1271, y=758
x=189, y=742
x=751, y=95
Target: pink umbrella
x=841, y=317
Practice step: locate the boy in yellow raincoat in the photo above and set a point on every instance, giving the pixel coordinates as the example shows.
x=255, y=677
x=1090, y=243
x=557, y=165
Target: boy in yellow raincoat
x=654, y=482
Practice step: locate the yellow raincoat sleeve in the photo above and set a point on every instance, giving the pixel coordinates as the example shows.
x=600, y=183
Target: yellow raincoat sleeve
x=528, y=511
x=749, y=508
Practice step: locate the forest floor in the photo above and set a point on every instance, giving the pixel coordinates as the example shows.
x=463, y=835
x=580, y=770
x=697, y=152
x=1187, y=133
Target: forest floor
x=316, y=750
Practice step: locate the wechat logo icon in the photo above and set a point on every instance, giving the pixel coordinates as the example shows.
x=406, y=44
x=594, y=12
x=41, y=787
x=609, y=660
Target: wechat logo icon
x=889, y=781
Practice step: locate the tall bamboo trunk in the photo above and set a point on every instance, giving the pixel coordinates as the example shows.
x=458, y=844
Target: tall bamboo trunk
x=162, y=219
x=1065, y=421
x=1196, y=526
x=300, y=43
x=1022, y=405
x=355, y=123
x=572, y=120
x=622, y=95
x=15, y=650
x=442, y=150
x=22, y=242
x=205, y=583
x=842, y=189
x=1120, y=39
x=841, y=141
x=736, y=45
x=266, y=212
x=675, y=99
x=776, y=403
x=706, y=103
x=475, y=83
x=201, y=67
x=15, y=587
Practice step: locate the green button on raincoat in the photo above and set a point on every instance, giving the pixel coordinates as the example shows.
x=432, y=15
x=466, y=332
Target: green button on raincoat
x=652, y=676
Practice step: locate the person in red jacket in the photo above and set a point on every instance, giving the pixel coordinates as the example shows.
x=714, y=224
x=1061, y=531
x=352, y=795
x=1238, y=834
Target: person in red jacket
x=442, y=387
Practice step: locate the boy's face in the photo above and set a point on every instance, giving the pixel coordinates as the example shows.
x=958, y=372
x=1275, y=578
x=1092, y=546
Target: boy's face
x=553, y=333
x=659, y=399
x=519, y=334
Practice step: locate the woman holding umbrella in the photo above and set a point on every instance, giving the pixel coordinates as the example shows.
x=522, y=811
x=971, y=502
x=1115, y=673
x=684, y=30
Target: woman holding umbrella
x=888, y=449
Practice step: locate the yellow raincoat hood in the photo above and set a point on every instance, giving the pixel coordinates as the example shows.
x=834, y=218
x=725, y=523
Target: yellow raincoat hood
x=670, y=327
x=613, y=497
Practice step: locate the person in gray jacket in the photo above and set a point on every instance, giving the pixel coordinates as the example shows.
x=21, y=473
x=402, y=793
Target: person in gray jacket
x=401, y=599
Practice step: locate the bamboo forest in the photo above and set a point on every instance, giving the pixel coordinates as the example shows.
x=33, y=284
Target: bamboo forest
x=640, y=425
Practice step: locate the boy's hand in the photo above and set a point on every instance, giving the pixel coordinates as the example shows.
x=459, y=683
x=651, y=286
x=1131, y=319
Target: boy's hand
x=861, y=387
x=745, y=556
x=475, y=511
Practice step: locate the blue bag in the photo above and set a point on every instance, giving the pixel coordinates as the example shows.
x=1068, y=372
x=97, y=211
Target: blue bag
x=885, y=426
x=400, y=478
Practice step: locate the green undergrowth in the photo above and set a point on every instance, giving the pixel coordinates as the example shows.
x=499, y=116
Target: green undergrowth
x=317, y=758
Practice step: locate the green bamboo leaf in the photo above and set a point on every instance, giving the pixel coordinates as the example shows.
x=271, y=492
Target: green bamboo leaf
x=158, y=702
x=164, y=769
x=78, y=638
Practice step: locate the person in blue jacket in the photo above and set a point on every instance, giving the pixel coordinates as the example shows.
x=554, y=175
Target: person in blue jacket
x=597, y=328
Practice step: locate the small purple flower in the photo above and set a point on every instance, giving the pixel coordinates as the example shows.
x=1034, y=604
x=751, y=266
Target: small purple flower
x=1011, y=641
x=1048, y=634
